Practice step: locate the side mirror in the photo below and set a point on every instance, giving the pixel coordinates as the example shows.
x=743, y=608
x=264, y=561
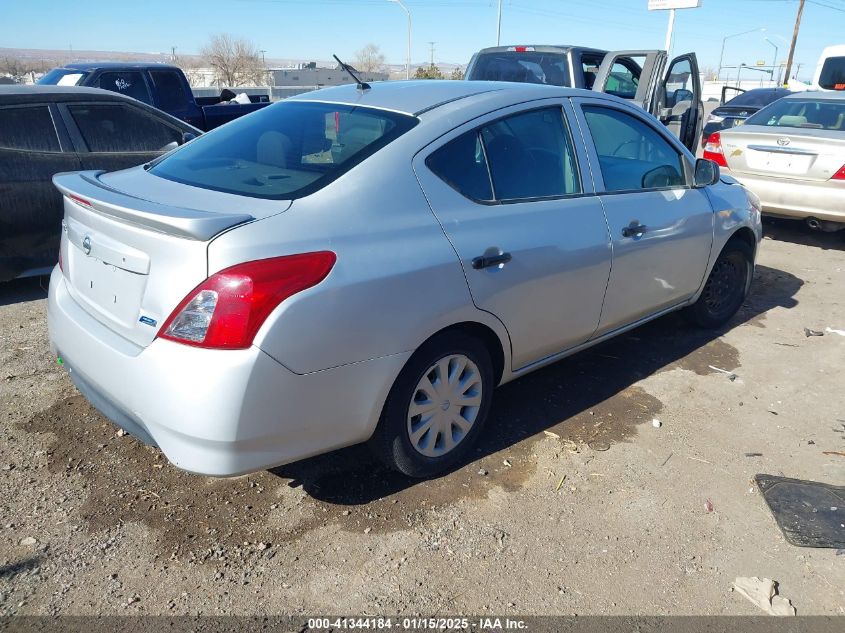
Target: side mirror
x=706, y=173
x=187, y=137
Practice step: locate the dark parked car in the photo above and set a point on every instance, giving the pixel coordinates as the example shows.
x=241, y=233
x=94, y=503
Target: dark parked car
x=735, y=111
x=159, y=85
x=49, y=129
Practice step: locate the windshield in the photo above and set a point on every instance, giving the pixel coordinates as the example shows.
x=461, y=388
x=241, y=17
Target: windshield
x=757, y=98
x=820, y=114
x=522, y=67
x=63, y=77
x=832, y=76
x=285, y=151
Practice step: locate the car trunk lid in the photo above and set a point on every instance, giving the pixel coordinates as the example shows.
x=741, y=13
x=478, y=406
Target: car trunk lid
x=128, y=258
x=795, y=153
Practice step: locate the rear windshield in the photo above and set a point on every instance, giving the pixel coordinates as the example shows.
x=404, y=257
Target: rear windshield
x=757, y=98
x=832, y=76
x=820, y=114
x=523, y=67
x=288, y=150
x=63, y=77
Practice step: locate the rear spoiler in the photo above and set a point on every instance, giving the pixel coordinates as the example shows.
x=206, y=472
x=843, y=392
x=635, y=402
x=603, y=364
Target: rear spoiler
x=85, y=188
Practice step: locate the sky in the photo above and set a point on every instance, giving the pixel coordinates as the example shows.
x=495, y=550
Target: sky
x=314, y=29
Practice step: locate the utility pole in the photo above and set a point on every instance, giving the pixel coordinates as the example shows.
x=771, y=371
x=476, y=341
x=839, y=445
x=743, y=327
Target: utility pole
x=499, y=25
x=431, y=46
x=794, y=40
x=173, y=53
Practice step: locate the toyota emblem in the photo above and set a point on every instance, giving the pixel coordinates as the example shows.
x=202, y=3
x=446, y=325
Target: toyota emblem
x=86, y=245
x=783, y=141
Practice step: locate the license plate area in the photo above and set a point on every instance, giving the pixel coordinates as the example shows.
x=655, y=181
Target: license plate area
x=779, y=163
x=112, y=292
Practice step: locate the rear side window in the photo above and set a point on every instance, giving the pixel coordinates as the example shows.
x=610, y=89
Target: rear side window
x=632, y=154
x=463, y=166
x=287, y=150
x=526, y=156
x=170, y=90
x=523, y=67
x=28, y=128
x=130, y=84
x=832, y=76
x=118, y=127
x=622, y=81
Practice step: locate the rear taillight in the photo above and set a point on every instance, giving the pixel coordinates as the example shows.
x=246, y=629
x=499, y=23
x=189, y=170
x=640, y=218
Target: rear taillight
x=227, y=309
x=78, y=200
x=713, y=150
x=840, y=175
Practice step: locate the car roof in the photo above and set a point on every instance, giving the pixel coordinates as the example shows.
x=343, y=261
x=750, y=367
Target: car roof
x=818, y=94
x=415, y=97
x=542, y=48
x=14, y=94
x=118, y=65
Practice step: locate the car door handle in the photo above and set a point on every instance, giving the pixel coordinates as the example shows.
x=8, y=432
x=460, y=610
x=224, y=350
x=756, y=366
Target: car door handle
x=485, y=261
x=633, y=230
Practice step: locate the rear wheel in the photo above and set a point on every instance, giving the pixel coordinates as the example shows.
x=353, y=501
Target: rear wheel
x=726, y=287
x=437, y=406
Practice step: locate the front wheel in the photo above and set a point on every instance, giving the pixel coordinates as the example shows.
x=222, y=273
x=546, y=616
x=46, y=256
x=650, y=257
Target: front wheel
x=437, y=406
x=726, y=287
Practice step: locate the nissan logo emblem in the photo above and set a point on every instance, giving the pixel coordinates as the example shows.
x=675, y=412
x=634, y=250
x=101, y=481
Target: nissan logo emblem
x=783, y=141
x=86, y=245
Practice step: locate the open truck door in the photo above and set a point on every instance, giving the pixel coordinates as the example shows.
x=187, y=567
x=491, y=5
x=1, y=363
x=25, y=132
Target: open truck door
x=670, y=91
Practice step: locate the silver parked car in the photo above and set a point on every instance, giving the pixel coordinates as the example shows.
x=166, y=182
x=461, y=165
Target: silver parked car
x=792, y=155
x=353, y=265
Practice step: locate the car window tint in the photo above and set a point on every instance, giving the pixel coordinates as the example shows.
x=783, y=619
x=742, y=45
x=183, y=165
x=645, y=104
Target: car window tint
x=287, y=150
x=130, y=84
x=29, y=128
x=531, y=156
x=622, y=82
x=523, y=67
x=679, y=83
x=461, y=163
x=170, y=90
x=632, y=154
x=120, y=127
x=757, y=98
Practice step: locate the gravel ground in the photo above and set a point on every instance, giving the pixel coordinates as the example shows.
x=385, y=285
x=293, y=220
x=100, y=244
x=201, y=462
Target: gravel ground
x=576, y=502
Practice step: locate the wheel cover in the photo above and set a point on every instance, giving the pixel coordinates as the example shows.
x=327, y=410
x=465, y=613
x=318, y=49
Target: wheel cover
x=444, y=405
x=725, y=285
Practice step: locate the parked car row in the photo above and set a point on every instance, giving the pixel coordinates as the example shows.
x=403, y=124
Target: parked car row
x=49, y=129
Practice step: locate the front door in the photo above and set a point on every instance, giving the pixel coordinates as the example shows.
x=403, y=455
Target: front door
x=509, y=193
x=661, y=227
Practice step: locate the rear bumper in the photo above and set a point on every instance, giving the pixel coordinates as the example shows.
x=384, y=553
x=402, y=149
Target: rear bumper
x=795, y=198
x=216, y=412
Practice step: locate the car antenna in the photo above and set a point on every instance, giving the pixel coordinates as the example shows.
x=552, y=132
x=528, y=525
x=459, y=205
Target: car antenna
x=362, y=85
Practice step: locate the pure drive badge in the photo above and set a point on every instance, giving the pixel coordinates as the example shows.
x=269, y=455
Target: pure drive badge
x=148, y=321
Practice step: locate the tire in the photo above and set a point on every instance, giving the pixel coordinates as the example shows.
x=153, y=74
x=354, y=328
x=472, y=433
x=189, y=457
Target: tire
x=419, y=445
x=726, y=287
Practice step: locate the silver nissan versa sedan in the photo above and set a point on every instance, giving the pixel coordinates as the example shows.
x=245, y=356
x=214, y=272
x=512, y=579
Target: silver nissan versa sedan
x=353, y=265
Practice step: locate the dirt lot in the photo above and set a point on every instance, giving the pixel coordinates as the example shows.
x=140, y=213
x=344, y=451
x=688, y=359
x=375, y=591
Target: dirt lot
x=117, y=530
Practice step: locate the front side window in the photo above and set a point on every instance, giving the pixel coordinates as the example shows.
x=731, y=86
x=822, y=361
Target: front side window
x=285, y=151
x=622, y=81
x=28, y=128
x=130, y=84
x=818, y=114
x=170, y=89
x=525, y=156
x=679, y=84
x=632, y=154
x=118, y=127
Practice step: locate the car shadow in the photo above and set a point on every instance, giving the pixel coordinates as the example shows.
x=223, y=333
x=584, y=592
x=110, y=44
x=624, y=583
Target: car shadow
x=22, y=290
x=26, y=564
x=554, y=396
x=797, y=232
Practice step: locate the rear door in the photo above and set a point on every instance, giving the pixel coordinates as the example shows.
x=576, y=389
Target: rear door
x=670, y=92
x=514, y=196
x=116, y=135
x=31, y=151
